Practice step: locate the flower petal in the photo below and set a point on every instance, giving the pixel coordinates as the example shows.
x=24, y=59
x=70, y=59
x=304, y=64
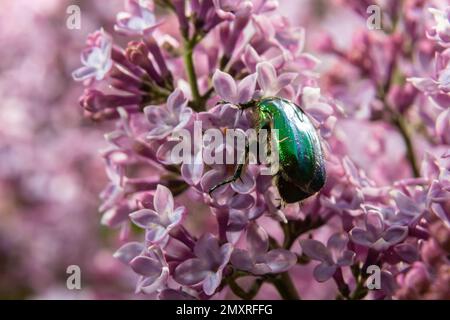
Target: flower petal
x=257, y=240
x=337, y=241
x=280, y=260
x=241, y=202
x=283, y=81
x=250, y=58
x=424, y=84
x=190, y=272
x=150, y=285
x=225, y=86
x=245, y=184
x=267, y=75
x=207, y=248
x=346, y=259
x=164, y=152
x=324, y=271
x=246, y=89
x=212, y=178
x=237, y=220
x=145, y=218
x=129, y=251
x=211, y=282
x=156, y=234
x=163, y=200
x=225, y=253
x=146, y=266
x=241, y=259
x=184, y=117
x=441, y=213
x=115, y=216
x=315, y=250
x=407, y=252
x=159, y=132
x=176, y=101
x=84, y=73
x=192, y=172
x=261, y=268
x=320, y=111
x=361, y=237
x=395, y=234
x=177, y=215
x=388, y=283
x=405, y=204
x=374, y=223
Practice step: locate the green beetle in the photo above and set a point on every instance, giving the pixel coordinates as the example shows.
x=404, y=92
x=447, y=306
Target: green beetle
x=301, y=163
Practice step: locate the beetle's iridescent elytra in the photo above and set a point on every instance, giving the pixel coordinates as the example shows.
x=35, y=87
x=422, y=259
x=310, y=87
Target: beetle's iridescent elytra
x=301, y=163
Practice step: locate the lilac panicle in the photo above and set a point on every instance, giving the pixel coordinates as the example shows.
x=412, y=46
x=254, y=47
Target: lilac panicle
x=380, y=106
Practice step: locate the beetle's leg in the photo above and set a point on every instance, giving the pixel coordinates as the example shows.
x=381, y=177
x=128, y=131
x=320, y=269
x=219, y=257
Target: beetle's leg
x=237, y=172
x=236, y=176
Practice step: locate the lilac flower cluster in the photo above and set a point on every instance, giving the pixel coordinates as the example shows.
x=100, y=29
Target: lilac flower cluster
x=198, y=61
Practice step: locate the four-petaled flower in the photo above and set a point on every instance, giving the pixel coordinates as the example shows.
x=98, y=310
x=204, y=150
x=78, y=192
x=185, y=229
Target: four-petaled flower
x=96, y=57
x=376, y=235
x=410, y=209
x=166, y=120
x=332, y=256
x=147, y=262
x=139, y=18
x=160, y=221
x=258, y=260
x=441, y=31
x=270, y=83
x=438, y=200
x=231, y=91
x=243, y=185
x=207, y=267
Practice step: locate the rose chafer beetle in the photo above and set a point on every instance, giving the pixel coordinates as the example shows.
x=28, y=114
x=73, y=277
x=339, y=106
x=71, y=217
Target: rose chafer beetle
x=301, y=163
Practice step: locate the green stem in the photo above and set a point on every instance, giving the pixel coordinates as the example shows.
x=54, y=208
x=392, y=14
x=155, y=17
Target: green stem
x=192, y=76
x=241, y=293
x=294, y=229
x=360, y=291
x=400, y=123
x=285, y=287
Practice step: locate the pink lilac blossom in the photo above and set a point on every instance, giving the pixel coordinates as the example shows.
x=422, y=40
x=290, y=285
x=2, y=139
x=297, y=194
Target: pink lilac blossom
x=96, y=58
x=225, y=54
x=139, y=19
